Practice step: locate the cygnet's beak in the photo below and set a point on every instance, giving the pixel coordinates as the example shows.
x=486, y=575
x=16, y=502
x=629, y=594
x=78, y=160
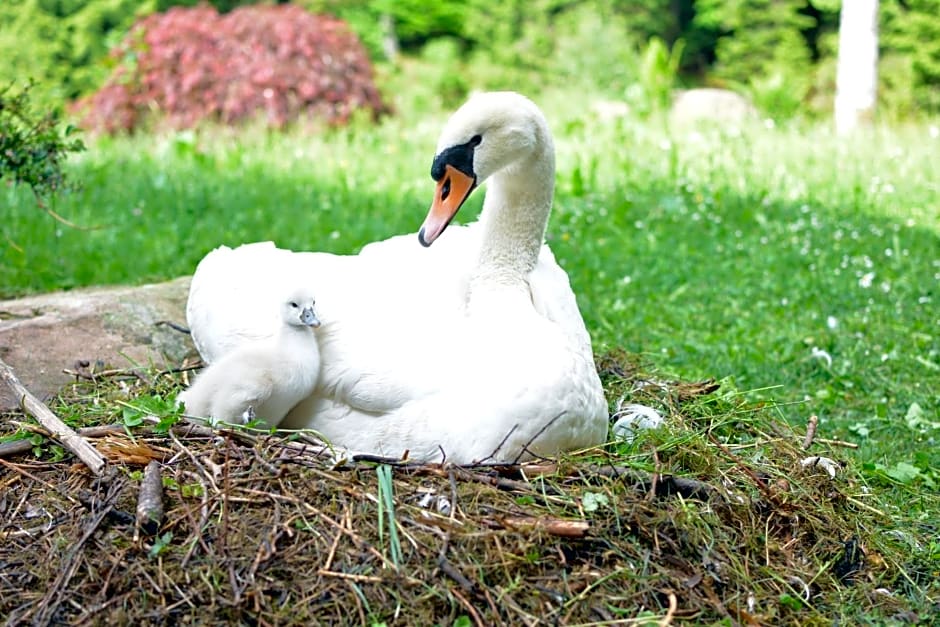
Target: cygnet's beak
x=452, y=190
x=309, y=317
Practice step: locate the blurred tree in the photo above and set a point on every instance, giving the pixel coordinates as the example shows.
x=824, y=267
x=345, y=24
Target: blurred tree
x=757, y=37
x=415, y=22
x=911, y=50
x=762, y=49
x=671, y=21
x=62, y=43
x=857, y=75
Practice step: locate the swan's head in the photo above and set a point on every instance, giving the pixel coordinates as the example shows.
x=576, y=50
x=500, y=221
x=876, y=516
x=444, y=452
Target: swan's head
x=490, y=132
x=298, y=309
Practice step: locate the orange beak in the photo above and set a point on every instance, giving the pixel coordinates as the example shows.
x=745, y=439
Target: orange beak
x=452, y=190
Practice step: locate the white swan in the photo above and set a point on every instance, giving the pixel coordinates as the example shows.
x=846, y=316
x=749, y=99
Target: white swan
x=265, y=378
x=473, y=349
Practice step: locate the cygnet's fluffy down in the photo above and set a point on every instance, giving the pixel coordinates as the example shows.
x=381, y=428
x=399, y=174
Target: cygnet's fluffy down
x=265, y=379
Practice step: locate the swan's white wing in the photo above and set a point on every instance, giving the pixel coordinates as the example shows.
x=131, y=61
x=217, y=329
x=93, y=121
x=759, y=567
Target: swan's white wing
x=232, y=299
x=372, y=316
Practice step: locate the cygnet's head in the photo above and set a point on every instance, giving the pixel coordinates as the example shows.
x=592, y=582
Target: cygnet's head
x=298, y=309
x=490, y=132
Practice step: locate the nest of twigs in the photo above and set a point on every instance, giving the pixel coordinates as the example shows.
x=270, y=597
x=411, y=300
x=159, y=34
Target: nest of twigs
x=714, y=517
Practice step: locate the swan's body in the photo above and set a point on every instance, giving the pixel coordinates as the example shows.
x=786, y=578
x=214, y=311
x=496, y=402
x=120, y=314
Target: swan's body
x=264, y=378
x=473, y=349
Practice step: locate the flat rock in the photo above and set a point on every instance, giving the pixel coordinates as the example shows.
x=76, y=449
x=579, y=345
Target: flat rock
x=42, y=335
x=716, y=105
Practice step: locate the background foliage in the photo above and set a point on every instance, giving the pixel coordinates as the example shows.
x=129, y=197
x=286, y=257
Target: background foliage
x=33, y=145
x=781, y=51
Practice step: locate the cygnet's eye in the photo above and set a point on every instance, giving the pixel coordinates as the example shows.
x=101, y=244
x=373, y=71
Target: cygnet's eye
x=294, y=305
x=476, y=140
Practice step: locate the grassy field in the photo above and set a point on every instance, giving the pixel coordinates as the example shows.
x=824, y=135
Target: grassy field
x=796, y=268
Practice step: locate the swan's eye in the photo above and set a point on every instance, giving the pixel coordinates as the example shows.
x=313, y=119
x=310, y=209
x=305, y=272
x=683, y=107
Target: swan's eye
x=476, y=140
x=294, y=305
x=445, y=189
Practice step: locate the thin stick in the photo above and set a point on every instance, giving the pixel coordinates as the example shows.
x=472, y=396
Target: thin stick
x=350, y=576
x=811, y=426
x=60, y=218
x=29, y=475
x=17, y=447
x=75, y=443
x=671, y=612
x=538, y=434
x=866, y=506
x=552, y=526
x=451, y=571
x=172, y=325
x=150, y=500
x=837, y=443
x=473, y=611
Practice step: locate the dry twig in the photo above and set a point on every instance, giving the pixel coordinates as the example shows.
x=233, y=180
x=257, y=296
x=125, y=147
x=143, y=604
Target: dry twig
x=811, y=426
x=71, y=440
x=150, y=500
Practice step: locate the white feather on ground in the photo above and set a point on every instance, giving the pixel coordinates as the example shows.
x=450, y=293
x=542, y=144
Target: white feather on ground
x=264, y=379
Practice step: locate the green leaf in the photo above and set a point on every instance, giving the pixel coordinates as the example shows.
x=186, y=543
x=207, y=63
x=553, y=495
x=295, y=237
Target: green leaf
x=166, y=422
x=593, y=501
x=160, y=543
x=790, y=601
x=902, y=472
x=916, y=418
x=132, y=417
x=860, y=429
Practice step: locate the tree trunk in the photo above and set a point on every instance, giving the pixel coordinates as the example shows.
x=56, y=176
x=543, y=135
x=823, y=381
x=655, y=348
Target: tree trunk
x=857, y=71
x=389, y=37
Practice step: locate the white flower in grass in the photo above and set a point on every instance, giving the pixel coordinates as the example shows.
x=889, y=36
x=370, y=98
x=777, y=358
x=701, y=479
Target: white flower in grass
x=866, y=280
x=832, y=322
x=818, y=353
x=633, y=417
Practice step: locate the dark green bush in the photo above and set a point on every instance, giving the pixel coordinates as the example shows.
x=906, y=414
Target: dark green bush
x=33, y=145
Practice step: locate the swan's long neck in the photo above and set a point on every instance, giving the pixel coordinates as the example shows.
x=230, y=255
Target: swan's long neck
x=515, y=214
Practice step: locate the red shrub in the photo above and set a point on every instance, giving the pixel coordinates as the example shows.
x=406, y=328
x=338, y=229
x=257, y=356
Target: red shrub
x=193, y=64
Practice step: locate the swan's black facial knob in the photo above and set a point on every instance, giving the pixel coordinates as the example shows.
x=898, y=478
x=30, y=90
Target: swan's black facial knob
x=459, y=157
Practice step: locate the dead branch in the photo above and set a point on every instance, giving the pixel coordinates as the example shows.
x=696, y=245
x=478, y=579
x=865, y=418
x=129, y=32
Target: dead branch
x=664, y=485
x=671, y=612
x=71, y=440
x=837, y=443
x=502, y=483
x=172, y=325
x=454, y=573
x=553, y=526
x=150, y=500
x=811, y=426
